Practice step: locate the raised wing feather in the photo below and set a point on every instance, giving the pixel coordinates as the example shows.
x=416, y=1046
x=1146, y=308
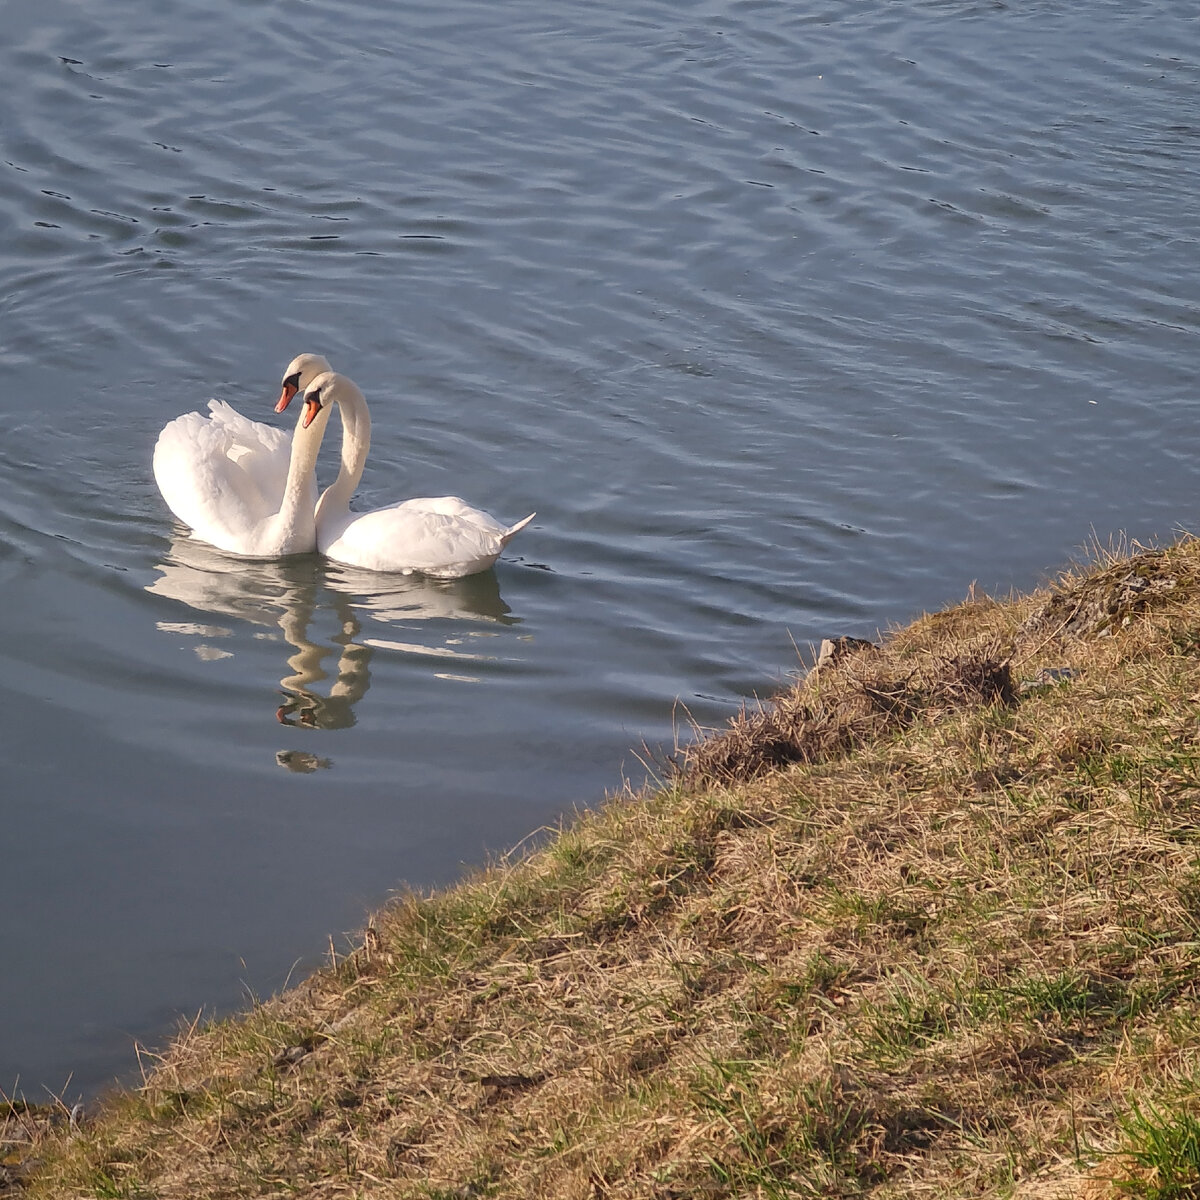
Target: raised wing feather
x=223, y=474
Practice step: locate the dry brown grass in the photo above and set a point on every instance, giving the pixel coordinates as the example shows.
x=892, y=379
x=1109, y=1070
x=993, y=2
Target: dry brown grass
x=860, y=698
x=929, y=925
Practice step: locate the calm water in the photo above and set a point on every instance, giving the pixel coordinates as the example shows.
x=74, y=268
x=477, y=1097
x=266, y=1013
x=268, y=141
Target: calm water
x=790, y=319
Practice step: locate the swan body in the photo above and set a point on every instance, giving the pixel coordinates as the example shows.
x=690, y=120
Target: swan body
x=442, y=536
x=242, y=486
x=439, y=536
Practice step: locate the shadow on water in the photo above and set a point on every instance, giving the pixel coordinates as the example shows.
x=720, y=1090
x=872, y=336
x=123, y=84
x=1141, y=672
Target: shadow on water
x=297, y=594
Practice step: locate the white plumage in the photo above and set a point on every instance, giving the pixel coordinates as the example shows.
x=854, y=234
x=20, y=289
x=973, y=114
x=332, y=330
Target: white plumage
x=242, y=486
x=249, y=489
x=441, y=536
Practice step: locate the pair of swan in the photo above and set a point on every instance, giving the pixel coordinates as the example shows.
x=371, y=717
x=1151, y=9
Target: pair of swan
x=240, y=486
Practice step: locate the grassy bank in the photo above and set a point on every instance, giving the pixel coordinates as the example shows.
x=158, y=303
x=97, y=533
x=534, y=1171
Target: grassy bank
x=929, y=925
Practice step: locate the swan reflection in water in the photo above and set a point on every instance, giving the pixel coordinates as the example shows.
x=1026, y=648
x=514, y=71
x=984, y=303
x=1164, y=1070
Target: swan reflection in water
x=290, y=593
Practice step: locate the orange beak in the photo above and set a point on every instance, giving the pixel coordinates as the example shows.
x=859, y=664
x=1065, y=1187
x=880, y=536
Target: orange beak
x=311, y=408
x=285, y=397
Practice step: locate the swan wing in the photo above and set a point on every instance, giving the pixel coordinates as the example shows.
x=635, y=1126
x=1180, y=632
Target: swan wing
x=441, y=536
x=222, y=474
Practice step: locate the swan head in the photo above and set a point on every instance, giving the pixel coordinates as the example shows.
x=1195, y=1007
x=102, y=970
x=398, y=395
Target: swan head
x=328, y=388
x=300, y=372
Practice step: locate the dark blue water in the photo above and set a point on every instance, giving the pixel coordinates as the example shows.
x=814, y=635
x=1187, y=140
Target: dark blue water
x=790, y=320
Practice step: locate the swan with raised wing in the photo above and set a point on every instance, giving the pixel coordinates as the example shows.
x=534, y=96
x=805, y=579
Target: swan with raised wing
x=242, y=486
x=441, y=536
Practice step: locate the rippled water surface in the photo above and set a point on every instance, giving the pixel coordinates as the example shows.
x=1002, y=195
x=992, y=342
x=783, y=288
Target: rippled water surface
x=789, y=319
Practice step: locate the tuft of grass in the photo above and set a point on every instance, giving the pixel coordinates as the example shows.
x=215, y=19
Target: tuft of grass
x=863, y=696
x=1162, y=1145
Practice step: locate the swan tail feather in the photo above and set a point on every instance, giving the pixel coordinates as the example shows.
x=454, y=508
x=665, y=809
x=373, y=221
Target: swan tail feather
x=512, y=531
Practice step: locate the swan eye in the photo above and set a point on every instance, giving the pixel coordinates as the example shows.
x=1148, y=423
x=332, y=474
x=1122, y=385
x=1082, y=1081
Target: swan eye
x=293, y=381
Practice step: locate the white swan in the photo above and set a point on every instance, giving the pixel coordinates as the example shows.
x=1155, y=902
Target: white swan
x=245, y=487
x=440, y=536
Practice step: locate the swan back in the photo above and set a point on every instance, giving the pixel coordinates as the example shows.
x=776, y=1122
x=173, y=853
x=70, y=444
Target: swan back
x=442, y=536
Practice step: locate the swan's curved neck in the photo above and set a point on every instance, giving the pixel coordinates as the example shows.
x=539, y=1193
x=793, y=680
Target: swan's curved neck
x=296, y=516
x=356, y=445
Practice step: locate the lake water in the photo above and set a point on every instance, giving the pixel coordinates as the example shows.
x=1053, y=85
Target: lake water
x=789, y=319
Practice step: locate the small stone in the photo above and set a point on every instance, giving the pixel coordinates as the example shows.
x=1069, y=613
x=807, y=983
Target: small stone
x=291, y=1055
x=833, y=650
